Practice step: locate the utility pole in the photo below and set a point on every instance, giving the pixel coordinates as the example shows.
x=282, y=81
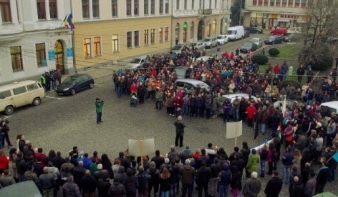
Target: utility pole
x=73, y=37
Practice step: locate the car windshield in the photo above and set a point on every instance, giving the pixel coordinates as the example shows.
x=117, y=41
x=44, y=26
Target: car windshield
x=177, y=47
x=219, y=37
x=135, y=61
x=254, y=40
x=272, y=37
x=194, y=44
x=247, y=44
x=70, y=80
x=207, y=40
x=231, y=32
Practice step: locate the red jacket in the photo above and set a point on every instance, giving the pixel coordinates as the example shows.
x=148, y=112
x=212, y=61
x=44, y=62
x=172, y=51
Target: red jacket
x=232, y=56
x=178, y=102
x=154, y=73
x=251, y=110
x=4, y=163
x=133, y=88
x=276, y=69
x=42, y=156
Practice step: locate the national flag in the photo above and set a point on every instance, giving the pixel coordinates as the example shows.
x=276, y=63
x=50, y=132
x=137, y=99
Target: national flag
x=68, y=22
x=335, y=156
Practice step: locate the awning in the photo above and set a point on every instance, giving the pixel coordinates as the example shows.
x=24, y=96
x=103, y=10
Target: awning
x=283, y=20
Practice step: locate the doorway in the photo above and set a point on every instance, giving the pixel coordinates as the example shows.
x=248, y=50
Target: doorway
x=200, y=31
x=59, y=56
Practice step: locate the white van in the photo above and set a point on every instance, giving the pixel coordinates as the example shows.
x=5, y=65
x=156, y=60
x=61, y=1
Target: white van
x=327, y=108
x=19, y=94
x=235, y=33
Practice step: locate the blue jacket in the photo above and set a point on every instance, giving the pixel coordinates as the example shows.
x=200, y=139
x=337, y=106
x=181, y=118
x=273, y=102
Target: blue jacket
x=225, y=176
x=86, y=162
x=199, y=102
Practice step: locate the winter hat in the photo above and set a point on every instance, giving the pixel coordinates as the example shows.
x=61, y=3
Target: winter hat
x=166, y=160
x=187, y=150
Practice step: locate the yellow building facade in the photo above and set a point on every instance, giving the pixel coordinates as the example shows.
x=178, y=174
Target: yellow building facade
x=117, y=30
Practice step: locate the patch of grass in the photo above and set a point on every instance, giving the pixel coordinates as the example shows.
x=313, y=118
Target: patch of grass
x=289, y=51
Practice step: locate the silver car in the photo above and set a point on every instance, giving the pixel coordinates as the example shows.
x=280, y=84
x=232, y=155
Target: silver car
x=136, y=63
x=198, y=45
x=210, y=42
x=178, y=48
x=257, y=41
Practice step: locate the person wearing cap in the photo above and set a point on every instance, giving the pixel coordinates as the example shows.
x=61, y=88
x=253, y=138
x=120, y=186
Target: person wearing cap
x=179, y=125
x=98, y=106
x=252, y=186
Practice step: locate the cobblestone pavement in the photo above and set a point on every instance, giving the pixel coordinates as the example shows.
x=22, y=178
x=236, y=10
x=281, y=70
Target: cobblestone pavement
x=59, y=123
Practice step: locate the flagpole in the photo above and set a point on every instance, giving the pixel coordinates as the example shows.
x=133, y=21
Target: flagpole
x=73, y=37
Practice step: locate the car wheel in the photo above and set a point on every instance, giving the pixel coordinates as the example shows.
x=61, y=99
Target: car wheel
x=36, y=101
x=73, y=92
x=91, y=85
x=9, y=110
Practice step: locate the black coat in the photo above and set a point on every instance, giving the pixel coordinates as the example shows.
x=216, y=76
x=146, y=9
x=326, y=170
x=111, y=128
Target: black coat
x=88, y=184
x=203, y=176
x=273, y=187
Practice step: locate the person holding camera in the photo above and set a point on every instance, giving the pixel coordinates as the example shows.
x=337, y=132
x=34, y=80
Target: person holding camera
x=98, y=106
x=4, y=131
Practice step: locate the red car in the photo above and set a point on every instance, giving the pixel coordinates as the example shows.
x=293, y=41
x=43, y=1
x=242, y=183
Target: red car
x=279, y=32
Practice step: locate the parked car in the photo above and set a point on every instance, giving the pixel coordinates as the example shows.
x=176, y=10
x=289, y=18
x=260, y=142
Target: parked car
x=246, y=34
x=279, y=32
x=210, y=42
x=254, y=30
x=257, y=41
x=222, y=39
x=136, y=63
x=294, y=30
x=182, y=72
x=274, y=40
x=231, y=98
x=75, y=83
x=178, y=48
x=19, y=94
x=289, y=37
x=203, y=58
x=189, y=83
x=198, y=45
x=248, y=46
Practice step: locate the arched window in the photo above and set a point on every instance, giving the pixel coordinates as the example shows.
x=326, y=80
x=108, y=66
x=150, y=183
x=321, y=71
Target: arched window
x=192, y=31
x=214, y=24
x=185, y=30
x=177, y=32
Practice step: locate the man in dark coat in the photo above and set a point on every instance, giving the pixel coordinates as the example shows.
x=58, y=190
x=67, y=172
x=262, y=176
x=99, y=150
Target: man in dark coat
x=179, y=131
x=274, y=186
x=323, y=176
x=203, y=176
x=88, y=183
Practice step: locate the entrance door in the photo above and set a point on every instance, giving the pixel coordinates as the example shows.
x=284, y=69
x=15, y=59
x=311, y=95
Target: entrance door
x=59, y=59
x=200, y=31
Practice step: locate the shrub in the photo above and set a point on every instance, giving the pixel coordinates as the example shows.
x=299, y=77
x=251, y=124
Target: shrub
x=259, y=59
x=291, y=82
x=320, y=58
x=273, y=52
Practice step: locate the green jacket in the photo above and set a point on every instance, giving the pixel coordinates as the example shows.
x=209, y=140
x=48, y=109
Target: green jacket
x=43, y=80
x=253, y=163
x=98, y=106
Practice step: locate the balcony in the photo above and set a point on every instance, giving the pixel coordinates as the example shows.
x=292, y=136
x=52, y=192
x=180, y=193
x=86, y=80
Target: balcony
x=205, y=11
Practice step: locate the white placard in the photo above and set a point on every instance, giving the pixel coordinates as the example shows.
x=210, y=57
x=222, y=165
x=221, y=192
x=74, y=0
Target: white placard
x=141, y=147
x=233, y=129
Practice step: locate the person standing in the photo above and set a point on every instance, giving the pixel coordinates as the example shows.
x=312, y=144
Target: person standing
x=179, y=131
x=203, y=176
x=5, y=129
x=224, y=180
x=252, y=186
x=322, y=176
x=43, y=81
x=98, y=105
x=274, y=185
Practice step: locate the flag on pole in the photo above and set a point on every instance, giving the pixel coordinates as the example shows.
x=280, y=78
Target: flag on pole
x=68, y=22
x=284, y=105
x=335, y=156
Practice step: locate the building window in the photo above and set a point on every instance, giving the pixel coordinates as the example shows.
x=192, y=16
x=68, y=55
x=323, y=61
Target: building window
x=136, y=4
x=53, y=9
x=167, y=7
x=200, y=5
x=152, y=36
x=210, y=4
x=5, y=11
x=129, y=39
x=96, y=8
x=160, y=35
x=136, y=38
x=177, y=4
x=161, y=6
x=97, y=46
x=185, y=32
x=297, y=3
x=128, y=7
x=85, y=8
x=216, y=4
x=303, y=4
x=266, y=2
x=115, y=43
x=146, y=37
x=40, y=54
x=192, y=29
x=166, y=34
x=192, y=5
x=146, y=7
x=152, y=7
x=41, y=7
x=87, y=47
x=185, y=4
x=16, y=57
x=272, y=2
x=284, y=3
x=114, y=8
x=214, y=24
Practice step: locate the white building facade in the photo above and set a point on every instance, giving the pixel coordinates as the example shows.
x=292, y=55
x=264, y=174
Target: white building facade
x=33, y=40
x=275, y=13
x=195, y=19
